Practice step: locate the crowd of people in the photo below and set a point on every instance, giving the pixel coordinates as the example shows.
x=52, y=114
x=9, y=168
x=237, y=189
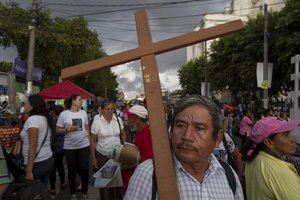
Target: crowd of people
x=209, y=163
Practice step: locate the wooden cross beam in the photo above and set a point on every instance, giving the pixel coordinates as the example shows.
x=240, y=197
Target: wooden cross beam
x=163, y=160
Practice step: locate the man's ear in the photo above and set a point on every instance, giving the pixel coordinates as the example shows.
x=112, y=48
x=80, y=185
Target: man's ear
x=219, y=138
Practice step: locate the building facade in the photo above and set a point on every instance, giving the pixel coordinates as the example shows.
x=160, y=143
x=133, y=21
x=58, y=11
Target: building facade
x=237, y=9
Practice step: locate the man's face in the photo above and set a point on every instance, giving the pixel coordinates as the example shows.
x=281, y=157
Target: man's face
x=132, y=122
x=192, y=138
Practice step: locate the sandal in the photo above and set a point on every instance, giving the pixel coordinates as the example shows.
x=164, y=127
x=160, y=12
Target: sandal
x=73, y=197
x=63, y=186
x=52, y=192
x=84, y=197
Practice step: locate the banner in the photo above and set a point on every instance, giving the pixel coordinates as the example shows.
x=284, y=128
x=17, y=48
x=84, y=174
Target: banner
x=20, y=69
x=264, y=84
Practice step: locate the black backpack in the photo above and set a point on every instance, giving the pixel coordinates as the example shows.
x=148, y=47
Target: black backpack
x=24, y=189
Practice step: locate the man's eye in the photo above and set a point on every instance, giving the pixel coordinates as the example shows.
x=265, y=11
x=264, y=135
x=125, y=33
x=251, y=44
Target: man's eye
x=179, y=125
x=199, y=128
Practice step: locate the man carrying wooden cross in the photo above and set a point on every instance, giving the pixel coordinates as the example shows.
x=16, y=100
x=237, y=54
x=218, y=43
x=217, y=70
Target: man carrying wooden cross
x=163, y=160
x=196, y=130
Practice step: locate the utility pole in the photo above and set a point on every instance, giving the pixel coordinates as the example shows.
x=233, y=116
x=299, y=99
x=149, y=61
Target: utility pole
x=265, y=76
x=30, y=58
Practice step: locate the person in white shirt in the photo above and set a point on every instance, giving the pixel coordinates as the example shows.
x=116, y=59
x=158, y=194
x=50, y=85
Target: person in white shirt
x=73, y=122
x=35, y=135
x=109, y=130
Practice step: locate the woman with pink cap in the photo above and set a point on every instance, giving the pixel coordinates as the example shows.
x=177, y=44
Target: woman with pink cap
x=268, y=176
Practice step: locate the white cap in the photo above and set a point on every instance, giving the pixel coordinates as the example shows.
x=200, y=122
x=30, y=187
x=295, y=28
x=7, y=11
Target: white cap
x=138, y=110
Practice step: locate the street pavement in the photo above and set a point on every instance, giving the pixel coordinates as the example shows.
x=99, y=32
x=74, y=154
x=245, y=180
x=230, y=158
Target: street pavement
x=93, y=193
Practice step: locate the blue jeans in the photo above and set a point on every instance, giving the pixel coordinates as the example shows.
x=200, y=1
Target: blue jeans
x=41, y=170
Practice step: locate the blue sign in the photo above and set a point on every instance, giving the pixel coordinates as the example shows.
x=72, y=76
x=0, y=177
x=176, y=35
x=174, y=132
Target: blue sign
x=20, y=69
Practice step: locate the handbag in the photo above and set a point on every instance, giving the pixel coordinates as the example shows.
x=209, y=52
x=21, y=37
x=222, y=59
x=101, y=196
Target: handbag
x=16, y=151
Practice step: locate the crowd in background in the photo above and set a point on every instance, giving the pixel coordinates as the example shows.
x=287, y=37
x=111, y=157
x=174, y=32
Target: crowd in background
x=250, y=143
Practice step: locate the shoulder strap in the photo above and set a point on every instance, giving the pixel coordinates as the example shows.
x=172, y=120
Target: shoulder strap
x=119, y=129
x=229, y=175
x=154, y=185
x=44, y=140
x=229, y=157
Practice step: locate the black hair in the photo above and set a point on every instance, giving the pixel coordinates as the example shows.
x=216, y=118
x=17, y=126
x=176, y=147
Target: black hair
x=245, y=112
x=249, y=144
x=267, y=111
x=213, y=109
x=58, y=109
x=106, y=102
x=68, y=102
x=39, y=107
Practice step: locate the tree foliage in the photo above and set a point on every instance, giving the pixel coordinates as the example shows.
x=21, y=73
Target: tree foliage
x=233, y=59
x=5, y=66
x=192, y=74
x=59, y=43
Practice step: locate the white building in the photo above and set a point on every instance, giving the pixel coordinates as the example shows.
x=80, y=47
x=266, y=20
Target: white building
x=237, y=9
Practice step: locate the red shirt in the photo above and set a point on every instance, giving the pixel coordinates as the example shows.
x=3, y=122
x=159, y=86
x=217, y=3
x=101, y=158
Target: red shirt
x=143, y=141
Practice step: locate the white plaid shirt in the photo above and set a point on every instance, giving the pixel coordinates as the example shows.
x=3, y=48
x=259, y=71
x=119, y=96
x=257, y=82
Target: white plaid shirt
x=214, y=185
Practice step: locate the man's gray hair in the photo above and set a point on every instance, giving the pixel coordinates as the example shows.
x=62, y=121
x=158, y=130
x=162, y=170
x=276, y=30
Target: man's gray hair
x=213, y=109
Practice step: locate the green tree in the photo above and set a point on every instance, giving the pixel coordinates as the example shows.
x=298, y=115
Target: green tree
x=191, y=75
x=59, y=43
x=103, y=82
x=5, y=66
x=234, y=58
x=177, y=93
x=287, y=42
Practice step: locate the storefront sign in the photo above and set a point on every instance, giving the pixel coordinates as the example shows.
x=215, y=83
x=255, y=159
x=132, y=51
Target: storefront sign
x=20, y=69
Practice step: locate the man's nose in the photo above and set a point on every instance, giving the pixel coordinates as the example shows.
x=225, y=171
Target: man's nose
x=188, y=133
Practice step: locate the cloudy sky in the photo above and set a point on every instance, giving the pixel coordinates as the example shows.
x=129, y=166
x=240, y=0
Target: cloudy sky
x=115, y=23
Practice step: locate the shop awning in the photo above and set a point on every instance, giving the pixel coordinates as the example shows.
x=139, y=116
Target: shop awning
x=64, y=90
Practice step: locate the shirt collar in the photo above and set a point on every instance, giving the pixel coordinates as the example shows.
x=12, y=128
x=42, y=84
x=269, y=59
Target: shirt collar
x=213, y=163
x=113, y=117
x=264, y=154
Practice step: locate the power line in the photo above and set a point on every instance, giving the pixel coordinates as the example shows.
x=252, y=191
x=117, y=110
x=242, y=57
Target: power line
x=156, y=7
x=174, y=17
x=165, y=25
x=119, y=28
x=134, y=30
x=149, y=6
x=129, y=42
x=122, y=5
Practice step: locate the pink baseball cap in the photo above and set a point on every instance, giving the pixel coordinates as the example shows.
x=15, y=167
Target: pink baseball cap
x=270, y=125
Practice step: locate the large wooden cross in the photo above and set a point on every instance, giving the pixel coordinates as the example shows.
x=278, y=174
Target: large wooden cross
x=146, y=51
